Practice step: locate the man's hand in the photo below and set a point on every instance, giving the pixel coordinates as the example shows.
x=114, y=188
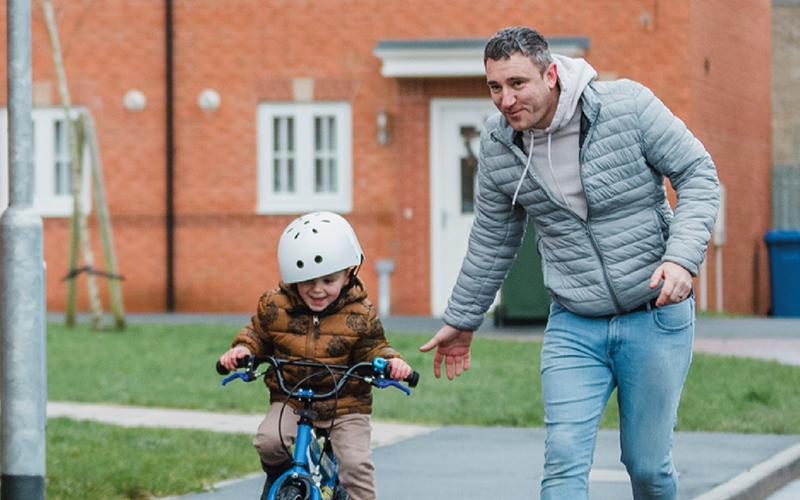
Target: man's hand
x=452, y=346
x=677, y=283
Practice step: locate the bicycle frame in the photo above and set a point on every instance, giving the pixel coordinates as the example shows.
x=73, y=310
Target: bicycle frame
x=314, y=469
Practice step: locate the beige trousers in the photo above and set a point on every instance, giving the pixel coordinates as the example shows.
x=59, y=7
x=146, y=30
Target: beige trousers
x=350, y=437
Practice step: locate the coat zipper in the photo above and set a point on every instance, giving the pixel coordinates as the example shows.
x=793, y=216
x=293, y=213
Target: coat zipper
x=316, y=326
x=585, y=224
x=581, y=157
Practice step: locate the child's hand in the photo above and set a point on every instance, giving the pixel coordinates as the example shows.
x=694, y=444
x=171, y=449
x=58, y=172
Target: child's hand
x=400, y=369
x=228, y=360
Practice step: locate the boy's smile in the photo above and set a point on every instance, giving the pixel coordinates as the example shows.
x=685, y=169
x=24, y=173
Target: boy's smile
x=321, y=292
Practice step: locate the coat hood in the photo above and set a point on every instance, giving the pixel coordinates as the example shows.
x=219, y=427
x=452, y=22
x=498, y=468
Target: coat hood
x=573, y=77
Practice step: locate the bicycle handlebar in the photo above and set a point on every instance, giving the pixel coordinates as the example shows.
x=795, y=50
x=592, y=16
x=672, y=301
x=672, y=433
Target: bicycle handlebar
x=379, y=367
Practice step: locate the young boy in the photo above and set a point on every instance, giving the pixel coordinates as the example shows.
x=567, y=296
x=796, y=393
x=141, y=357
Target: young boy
x=320, y=311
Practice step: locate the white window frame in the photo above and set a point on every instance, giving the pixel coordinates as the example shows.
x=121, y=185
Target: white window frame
x=46, y=201
x=304, y=198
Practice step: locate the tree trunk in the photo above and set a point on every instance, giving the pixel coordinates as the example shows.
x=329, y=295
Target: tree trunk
x=80, y=230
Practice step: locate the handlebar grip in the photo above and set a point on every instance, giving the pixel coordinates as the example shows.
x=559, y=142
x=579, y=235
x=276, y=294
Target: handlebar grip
x=412, y=380
x=240, y=363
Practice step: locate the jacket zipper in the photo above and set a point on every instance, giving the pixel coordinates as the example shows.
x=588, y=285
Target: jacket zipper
x=316, y=326
x=581, y=154
x=585, y=224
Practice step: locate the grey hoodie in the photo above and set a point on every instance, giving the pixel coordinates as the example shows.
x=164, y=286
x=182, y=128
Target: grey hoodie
x=555, y=152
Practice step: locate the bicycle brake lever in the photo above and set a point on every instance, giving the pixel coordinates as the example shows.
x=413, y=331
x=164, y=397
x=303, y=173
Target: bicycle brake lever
x=382, y=383
x=246, y=376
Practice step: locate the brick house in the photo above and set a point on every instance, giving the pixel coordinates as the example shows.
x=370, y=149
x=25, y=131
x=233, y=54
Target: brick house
x=272, y=108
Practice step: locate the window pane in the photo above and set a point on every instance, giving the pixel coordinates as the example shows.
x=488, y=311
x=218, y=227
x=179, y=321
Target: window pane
x=333, y=186
x=332, y=133
x=318, y=176
x=283, y=172
x=290, y=175
x=58, y=132
x=276, y=175
x=325, y=154
x=276, y=134
x=62, y=170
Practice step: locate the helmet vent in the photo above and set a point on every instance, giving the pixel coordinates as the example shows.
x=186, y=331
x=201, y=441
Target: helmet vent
x=318, y=259
x=300, y=264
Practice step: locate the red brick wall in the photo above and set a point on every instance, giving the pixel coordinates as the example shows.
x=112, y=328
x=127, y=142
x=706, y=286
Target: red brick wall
x=729, y=76
x=251, y=50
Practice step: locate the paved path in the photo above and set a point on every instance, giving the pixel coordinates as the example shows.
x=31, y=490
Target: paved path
x=384, y=433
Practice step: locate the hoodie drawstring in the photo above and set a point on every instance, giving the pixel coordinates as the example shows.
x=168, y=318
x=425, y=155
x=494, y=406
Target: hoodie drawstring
x=552, y=171
x=524, y=173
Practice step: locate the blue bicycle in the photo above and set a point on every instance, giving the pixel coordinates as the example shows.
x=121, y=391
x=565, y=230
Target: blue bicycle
x=314, y=472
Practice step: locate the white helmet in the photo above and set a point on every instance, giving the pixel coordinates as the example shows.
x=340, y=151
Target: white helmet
x=316, y=245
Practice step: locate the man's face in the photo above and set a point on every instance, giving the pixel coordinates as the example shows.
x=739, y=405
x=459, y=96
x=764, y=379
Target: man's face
x=525, y=96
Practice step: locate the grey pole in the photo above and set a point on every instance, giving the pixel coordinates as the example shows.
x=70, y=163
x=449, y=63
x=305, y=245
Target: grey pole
x=22, y=306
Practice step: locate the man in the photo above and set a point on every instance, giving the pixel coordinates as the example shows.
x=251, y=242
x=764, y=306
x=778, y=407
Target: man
x=585, y=161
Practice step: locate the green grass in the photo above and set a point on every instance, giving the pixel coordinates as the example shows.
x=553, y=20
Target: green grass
x=91, y=461
x=728, y=394
x=173, y=366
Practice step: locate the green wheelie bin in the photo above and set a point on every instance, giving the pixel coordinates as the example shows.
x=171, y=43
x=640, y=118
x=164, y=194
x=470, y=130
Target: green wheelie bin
x=523, y=297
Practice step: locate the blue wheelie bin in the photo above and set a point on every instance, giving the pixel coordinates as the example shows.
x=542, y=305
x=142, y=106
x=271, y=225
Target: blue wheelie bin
x=784, y=271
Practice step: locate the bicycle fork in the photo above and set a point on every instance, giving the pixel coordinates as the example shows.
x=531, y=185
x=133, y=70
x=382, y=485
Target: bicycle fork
x=314, y=469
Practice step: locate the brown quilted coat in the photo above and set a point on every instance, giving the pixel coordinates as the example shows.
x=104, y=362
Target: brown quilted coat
x=347, y=332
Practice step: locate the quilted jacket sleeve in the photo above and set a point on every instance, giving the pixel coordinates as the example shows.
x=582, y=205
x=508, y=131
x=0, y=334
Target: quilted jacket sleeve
x=674, y=152
x=496, y=235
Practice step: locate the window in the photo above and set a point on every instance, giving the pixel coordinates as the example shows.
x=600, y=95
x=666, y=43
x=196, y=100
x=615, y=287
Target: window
x=52, y=172
x=304, y=157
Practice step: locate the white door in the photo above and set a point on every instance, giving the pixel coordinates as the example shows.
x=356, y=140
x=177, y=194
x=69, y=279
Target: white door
x=455, y=132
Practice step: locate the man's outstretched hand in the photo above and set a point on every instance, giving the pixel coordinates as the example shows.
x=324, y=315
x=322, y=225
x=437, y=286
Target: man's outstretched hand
x=452, y=346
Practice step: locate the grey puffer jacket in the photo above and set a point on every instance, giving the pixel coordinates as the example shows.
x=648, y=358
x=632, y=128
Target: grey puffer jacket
x=630, y=142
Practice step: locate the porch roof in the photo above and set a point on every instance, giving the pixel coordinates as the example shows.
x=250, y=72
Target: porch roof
x=454, y=57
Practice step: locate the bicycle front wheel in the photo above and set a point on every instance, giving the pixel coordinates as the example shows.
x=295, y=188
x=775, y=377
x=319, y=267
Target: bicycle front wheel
x=290, y=492
x=339, y=493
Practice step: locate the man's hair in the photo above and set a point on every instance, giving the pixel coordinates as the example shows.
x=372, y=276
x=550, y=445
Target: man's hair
x=519, y=39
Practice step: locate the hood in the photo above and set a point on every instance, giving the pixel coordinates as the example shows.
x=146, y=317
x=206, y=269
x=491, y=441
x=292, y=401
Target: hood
x=573, y=77
x=564, y=178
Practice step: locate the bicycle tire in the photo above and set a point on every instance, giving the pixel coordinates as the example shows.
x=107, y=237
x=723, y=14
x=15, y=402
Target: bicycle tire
x=291, y=492
x=339, y=493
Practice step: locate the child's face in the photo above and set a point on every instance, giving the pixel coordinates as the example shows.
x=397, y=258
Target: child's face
x=319, y=293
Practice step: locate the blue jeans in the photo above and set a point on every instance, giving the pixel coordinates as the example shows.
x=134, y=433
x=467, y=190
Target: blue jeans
x=646, y=356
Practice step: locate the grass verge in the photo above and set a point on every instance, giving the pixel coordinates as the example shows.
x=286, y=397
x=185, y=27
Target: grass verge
x=173, y=366
x=91, y=461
